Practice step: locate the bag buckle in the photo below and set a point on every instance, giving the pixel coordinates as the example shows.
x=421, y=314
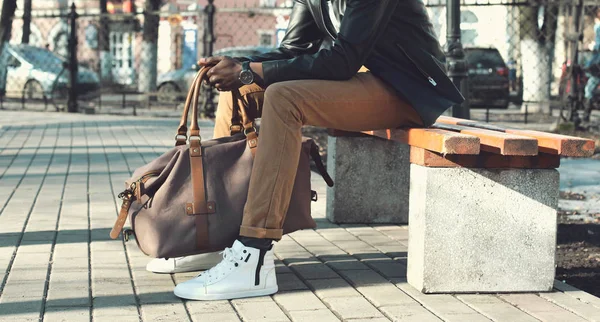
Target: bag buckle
x=314, y=196
x=126, y=233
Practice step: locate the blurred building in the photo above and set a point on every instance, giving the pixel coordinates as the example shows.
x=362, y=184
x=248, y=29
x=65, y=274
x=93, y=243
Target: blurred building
x=181, y=29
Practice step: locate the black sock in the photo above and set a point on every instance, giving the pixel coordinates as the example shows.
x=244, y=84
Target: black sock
x=259, y=243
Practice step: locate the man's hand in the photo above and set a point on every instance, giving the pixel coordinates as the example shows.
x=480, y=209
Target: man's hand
x=225, y=73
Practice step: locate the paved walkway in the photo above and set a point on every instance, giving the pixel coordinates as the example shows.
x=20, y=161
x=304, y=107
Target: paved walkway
x=59, y=175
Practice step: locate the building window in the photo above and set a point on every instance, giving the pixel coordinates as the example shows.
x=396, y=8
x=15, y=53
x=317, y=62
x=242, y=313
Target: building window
x=265, y=39
x=267, y=3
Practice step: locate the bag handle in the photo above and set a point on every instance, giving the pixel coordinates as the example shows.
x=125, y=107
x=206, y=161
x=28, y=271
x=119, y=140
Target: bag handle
x=181, y=136
x=236, y=119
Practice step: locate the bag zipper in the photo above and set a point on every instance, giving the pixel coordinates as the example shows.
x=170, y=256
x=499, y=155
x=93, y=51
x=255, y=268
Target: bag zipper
x=424, y=73
x=146, y=176
x=133, y=189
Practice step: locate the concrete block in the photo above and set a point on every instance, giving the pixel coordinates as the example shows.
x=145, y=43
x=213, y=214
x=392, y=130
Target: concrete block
x=482, y=230
x=371, y=180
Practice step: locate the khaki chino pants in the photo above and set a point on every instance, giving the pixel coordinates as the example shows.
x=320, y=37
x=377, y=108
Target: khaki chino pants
x=362, y=103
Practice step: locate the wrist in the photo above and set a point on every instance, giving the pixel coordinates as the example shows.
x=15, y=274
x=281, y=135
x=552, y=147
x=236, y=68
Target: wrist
x=258, y=73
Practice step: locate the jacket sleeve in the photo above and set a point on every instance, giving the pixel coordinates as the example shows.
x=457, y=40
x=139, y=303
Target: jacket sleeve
x=302, y=36
x=363, y=23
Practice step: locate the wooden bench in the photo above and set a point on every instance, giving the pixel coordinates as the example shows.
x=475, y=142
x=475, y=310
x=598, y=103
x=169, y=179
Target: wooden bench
x=480, y=199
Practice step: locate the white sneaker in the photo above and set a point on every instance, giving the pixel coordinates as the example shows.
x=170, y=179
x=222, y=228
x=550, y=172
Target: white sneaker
x=240, y=274
x=184, y=264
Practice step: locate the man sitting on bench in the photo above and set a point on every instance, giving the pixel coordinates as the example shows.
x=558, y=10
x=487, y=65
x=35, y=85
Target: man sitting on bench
x=315, y=78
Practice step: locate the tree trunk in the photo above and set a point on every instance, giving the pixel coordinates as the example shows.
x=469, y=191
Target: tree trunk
x=104, y=45
x=549, y=30
x=26, y=22
x=6, y=18
x=148, y=67
x=535, y=61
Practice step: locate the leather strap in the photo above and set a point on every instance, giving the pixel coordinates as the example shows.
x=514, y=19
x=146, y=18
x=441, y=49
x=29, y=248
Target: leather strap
x=120, y=222
x=236, y=119
x=181, y=136
x=199, y=207
x=314, y=154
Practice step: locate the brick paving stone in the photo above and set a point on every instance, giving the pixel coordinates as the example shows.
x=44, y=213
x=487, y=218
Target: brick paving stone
x=67, y=314
x=281, y=268
x=329, y=288
x=574, y=305
x=495, y=309
x=20, y=308
x=163, y=312
x=115, y=311
x=343, y=263
x=446, y=307
x=387, y=267
x=352, y=307
x=30, y=270
x=251, y=310
x=211, y=311
x=320, y=251
x=298, y=301
x=313, y=270
x=386, y=294
x=313, y=316
x=337, y=235
x=290, y=282
x=296, y=257
x=540, y=308
x=409, y=313
x=364, y=277
x=368, y=254
x=577, y=293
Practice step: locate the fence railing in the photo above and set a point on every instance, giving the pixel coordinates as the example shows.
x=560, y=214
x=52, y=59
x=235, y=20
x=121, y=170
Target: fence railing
x=519, y=53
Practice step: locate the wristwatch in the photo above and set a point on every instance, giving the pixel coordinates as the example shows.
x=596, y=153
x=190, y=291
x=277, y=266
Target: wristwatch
x=246, y=75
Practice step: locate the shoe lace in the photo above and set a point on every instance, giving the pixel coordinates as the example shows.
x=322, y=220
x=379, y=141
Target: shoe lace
x=223, y=266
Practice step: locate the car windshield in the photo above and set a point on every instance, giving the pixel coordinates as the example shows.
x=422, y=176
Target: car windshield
x=484, y=58
x=40, y=58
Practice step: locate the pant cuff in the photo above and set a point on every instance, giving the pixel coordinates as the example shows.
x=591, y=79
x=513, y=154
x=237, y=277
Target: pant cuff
x=261, y=232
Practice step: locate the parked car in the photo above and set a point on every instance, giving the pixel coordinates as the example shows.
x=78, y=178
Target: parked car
x=488, y=78
x=173, y=85
x=37, y=73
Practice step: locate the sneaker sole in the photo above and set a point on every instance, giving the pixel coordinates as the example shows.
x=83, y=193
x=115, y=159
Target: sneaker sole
x=229, y=296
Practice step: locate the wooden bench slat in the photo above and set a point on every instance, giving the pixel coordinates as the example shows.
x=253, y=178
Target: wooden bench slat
x=563, y=145
x=485, y=160
x=496, y=142
x=441, y=141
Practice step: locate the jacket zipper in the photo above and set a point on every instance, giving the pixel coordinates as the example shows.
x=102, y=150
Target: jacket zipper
x=424, y=73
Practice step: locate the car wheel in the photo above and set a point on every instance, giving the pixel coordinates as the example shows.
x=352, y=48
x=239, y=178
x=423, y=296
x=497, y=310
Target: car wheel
x=33, y=90
x=168, y=93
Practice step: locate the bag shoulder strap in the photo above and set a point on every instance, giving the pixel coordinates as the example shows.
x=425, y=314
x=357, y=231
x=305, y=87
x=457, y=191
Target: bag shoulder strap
x=314, y=154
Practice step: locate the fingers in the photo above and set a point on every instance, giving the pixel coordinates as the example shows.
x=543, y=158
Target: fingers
x=210, y=61
x=223, y=74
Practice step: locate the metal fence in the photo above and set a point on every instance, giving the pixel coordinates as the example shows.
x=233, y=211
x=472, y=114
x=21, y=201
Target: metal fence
x=519, y=52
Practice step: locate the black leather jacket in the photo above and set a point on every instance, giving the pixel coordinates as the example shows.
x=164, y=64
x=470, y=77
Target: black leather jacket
x=393, y=38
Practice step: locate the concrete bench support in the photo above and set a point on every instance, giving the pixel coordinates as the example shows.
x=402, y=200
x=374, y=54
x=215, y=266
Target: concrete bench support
x=478, y=230
x=371, y=180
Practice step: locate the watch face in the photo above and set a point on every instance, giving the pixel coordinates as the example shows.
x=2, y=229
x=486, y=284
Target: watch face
x=246, y=77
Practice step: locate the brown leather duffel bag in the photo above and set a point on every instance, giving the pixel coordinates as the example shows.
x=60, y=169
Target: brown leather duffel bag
x=190, y=200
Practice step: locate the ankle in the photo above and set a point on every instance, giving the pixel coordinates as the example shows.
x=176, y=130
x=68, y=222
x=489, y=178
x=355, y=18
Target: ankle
x=258, y=243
